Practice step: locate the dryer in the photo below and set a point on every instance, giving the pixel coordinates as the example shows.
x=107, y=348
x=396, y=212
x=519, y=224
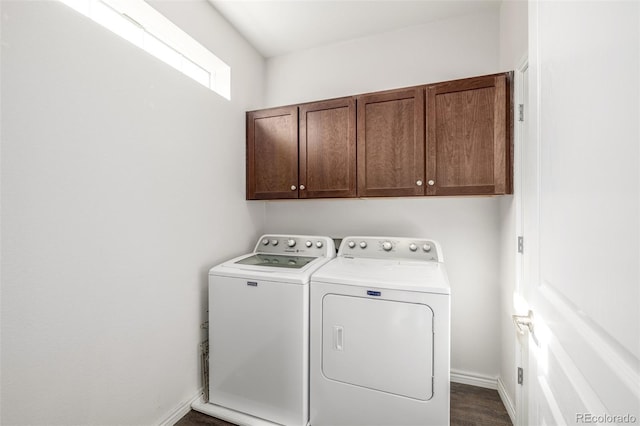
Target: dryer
x=380, y=335
x=259, y=331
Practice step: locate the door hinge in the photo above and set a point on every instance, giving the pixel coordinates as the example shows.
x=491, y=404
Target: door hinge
x=520, y=375
x=520, y=112
x=520, y=244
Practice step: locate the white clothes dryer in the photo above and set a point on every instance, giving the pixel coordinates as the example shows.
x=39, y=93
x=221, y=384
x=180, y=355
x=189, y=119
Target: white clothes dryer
x=380, y=335
x=259, y=331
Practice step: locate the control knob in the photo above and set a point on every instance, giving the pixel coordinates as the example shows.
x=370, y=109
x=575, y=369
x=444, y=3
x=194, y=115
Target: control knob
x=363, y=244
x=426, y=248
x=308, y=244
x=351, y=244
x=413, y=247
x=387, y=246
x=291, y=242
x=274, y=242
x=265, y=242
x=319, y=244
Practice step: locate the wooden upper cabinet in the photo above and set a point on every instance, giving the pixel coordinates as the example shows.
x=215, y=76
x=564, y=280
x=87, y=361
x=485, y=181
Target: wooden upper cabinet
x=374, y=145
x=390, y=143
x=272, y=153
x=328, y=149
x=469, y=136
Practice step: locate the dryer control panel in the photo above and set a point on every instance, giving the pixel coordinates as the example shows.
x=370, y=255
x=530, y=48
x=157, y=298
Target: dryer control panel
x=391, y=248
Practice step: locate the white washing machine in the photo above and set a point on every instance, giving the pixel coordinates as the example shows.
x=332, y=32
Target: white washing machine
x=259, y=331
x=380, y=335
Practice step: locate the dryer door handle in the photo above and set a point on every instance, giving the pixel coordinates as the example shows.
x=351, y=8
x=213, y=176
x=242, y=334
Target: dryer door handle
x=338, y=337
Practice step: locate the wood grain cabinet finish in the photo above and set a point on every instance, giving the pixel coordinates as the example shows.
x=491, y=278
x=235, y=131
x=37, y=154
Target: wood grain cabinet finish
x=469, y=136
x=390, y=143
x=272, y=153
x=459, y=141
x=327, y=140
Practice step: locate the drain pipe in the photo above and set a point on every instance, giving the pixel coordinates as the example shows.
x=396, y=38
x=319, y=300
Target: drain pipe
x=204, y=362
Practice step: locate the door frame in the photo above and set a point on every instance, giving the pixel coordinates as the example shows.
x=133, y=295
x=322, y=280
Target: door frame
x=519, y=304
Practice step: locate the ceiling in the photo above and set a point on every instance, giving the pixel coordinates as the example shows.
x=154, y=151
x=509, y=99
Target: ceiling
x=276, y=27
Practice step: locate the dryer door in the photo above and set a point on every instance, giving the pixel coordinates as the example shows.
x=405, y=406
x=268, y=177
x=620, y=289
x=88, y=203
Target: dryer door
x=379, y=344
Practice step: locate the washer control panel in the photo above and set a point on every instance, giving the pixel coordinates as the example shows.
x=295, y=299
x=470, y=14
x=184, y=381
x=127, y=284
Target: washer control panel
x=301, y=245
x=391, y=248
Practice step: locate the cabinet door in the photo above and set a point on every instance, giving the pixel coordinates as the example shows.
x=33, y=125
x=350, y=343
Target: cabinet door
x=391, y=143
x=469, y=136
x=328, y=149
x=272, y=153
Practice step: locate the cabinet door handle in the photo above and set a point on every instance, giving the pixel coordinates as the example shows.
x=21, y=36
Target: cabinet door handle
x=302, y=187
x=293, y=187
x=419, y=182
x=431, y=182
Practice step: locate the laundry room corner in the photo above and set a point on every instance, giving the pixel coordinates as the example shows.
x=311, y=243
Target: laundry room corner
x=467, y=229
x=513, y=55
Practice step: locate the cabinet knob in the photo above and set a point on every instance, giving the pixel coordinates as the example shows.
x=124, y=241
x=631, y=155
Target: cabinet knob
x=302, y=187
x=293, y=187
x=431, y=182
x=419, y=182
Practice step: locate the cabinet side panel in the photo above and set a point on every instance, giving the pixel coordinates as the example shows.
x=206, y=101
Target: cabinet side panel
x=500, y=124
x=250, y=154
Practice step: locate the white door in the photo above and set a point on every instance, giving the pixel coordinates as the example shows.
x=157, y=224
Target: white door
x=581, y=192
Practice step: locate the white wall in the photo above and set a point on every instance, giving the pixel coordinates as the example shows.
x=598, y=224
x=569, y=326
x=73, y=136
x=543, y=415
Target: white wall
x=513, y=48
x=122, y=183
x=441, y=50
x=467, y=227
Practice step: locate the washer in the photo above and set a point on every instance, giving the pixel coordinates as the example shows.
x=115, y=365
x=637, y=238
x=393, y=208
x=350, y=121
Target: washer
x=259, y=331
x=380, y=335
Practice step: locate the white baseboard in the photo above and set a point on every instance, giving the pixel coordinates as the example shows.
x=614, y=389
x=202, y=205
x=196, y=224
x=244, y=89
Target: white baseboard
x=235, y=417
x=508, y=403
x=474, y=379
x=457, y=376
x=181, y=410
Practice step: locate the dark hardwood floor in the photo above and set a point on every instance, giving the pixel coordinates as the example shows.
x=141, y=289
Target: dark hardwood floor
x=470, y=406
x=475, y=406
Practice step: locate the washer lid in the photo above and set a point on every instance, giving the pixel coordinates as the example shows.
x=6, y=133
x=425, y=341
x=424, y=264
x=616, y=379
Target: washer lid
x=247, y=266
x=420, y=276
